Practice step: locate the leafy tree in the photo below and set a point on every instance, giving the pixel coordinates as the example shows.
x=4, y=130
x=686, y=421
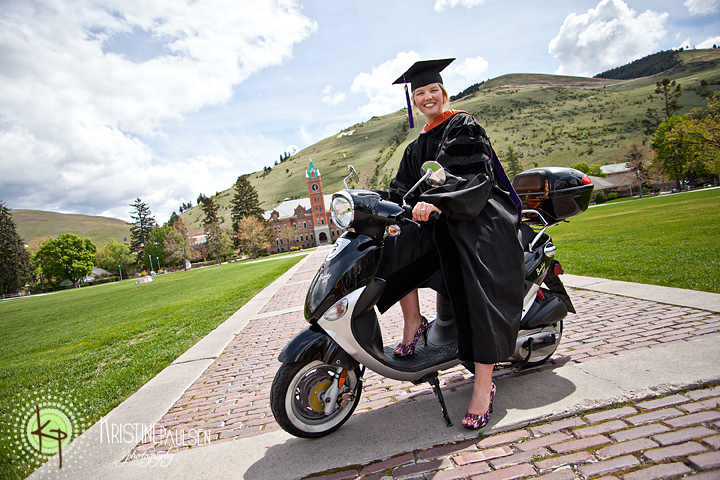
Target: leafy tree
x=156, y=245
x=704, y=131
x=593, y=170
x=513, y=163
x=143, y=221
x=67, y=257
x=245, y=203
x=288, y=234
x=637, y=161
x=677, y=157
x=15, y=267
x=34, y=244
x=254, y=235
x=116, y=257
x=215, y=239
x=178, y=246
x=200, y=199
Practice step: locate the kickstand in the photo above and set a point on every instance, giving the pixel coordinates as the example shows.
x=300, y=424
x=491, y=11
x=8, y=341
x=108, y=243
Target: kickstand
x=435, y=384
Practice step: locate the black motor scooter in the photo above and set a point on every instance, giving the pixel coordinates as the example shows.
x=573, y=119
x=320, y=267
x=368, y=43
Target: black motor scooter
x=319, y=383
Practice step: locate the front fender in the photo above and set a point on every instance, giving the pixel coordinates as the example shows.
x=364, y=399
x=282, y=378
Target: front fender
x=313, y=343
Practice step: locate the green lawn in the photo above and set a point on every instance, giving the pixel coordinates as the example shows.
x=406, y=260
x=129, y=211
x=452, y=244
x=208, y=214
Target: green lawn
x=101, y=344
x=671, y=240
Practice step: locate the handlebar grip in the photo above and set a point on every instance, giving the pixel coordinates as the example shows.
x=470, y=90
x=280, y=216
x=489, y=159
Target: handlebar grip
x=434, y=215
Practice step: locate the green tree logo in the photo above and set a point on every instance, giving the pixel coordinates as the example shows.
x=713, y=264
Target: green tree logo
x=49, y=430
x=47, y=424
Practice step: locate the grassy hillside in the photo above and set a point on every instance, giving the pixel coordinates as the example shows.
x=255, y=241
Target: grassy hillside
x=547, y=119
x=33, y=224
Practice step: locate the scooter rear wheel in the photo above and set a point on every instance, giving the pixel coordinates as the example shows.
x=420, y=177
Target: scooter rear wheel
x=296, y=399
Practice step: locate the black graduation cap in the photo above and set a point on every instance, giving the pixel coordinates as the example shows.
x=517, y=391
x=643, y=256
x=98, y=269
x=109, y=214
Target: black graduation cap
x=422, y=73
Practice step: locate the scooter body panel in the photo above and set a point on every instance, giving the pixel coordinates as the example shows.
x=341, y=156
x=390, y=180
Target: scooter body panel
x=350, y=265
x=427, y=359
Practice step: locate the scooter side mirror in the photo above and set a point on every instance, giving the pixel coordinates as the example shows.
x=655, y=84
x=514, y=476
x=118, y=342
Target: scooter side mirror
x=352, y=175
x=433, y=173
x=437, y=175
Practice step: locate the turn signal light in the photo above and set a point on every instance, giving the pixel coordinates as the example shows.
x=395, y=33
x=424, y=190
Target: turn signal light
x=337, y=310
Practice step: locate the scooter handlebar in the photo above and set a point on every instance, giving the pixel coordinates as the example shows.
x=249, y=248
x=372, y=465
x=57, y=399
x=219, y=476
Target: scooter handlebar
x=408, y=212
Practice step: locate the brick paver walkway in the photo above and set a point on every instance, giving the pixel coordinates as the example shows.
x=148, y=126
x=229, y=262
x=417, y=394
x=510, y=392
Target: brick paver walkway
x=231, y=399
x=668, y=437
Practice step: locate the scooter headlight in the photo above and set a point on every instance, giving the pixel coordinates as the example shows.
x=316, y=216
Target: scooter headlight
x=342, y=210
x=336, y=311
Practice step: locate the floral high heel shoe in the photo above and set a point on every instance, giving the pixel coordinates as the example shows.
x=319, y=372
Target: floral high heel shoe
x=479, y=421
x=407, y=350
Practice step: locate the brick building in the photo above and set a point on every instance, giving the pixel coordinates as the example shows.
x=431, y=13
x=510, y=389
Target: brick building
x=305, y=222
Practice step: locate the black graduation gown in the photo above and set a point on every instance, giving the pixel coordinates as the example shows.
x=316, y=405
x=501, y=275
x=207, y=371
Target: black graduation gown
x=476, y=239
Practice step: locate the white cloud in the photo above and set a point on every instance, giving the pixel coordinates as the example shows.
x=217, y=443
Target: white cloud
x=608, y=36
x=332, y=98
x=473, y=69
x=709, y=42
x=685, y=44
x=384, y=97
x=441, y=5
x=702, y=7
x=74, y=110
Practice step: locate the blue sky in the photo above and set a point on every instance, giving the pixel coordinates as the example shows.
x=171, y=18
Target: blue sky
x=105, y=101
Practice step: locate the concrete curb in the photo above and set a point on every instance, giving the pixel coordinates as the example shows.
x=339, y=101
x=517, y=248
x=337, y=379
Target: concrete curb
x=655, y=293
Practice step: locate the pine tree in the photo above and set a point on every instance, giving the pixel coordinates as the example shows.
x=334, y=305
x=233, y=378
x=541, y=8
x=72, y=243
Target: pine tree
x=513, y=163
x=143, y=221
x=15, y=268
x=215, y=240
x=245, y=203
x=670, y=92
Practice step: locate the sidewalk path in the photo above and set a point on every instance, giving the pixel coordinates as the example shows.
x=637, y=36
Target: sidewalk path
x=232, y=397
x=615, y=349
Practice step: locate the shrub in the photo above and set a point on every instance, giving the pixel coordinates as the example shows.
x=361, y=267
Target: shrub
x=613, y=196
x=600, y=197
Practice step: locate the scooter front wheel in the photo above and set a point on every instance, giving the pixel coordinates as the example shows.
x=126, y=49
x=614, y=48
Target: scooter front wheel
x=297, y=398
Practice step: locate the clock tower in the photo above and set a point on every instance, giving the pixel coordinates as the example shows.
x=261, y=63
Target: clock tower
x=317, y=204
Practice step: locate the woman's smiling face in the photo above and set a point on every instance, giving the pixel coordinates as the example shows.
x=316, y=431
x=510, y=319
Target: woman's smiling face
x=429, y=100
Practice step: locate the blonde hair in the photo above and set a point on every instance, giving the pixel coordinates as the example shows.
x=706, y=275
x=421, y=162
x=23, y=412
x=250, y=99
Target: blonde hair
x=446, y=97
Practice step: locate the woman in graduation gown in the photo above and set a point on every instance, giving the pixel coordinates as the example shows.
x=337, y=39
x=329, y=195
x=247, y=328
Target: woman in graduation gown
x=471, y=254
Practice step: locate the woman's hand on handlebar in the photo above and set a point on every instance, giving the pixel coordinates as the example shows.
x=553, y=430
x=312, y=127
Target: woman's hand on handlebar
x=421, y=212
